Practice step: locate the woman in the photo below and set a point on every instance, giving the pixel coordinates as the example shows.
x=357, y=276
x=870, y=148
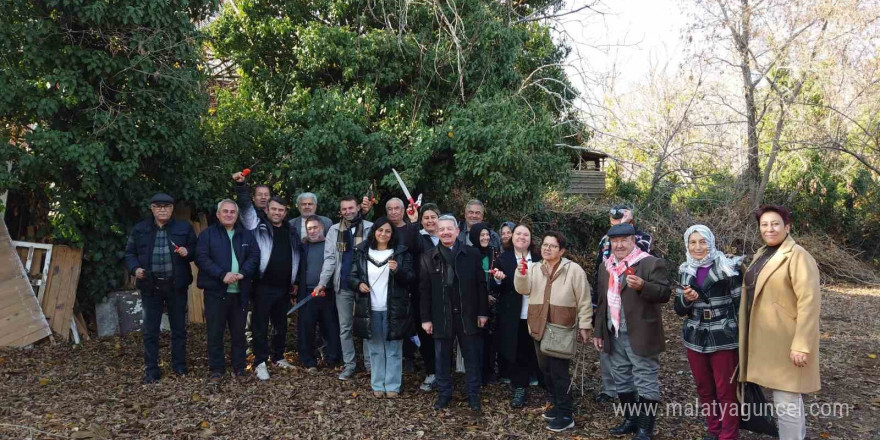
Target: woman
x=779, y=325
x=558, y=294
x=513, y=341
x=709, y=294
x=423, y=242
x=381, y=271
x=506, y=232
x=481, y=238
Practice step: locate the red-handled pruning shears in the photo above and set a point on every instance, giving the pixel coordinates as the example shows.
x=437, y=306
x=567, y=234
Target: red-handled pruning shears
x=176, y=247
x=413, y=204
x=629, y=270
x=524, y=266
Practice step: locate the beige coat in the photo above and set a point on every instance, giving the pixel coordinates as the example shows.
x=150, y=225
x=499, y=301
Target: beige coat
x=784, y=317
x=569, y=304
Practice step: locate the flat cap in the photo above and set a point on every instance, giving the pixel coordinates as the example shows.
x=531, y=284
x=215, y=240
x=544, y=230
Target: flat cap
x=621, y=230
x=162, y=198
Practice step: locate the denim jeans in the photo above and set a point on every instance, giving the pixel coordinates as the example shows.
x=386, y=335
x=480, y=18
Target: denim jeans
x=176, y=301
x=386, y=357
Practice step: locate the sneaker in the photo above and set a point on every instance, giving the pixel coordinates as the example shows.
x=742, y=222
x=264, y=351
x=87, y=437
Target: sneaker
x=312, y=370
x=215, y=376
x=504, y=380
x=284, y=364
x=392, y=394
x=550, y=414
x=428, y=384
x=346, y=374
x=533, y=382
x=560, y=424
x=262, y=371
x=150, y=379
x=378, y=394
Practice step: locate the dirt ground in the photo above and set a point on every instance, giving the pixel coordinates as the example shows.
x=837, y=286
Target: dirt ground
x=94, y=391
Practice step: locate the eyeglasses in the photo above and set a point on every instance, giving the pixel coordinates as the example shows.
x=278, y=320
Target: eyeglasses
x=549, y=246
x=163, y=207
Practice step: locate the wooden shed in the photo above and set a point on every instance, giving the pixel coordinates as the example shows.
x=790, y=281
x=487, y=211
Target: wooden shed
x=587, y=172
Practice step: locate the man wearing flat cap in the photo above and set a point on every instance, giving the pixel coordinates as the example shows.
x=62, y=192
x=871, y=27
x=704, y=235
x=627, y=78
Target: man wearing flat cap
x=158, y=254
x=619, y=214
x=632, y=287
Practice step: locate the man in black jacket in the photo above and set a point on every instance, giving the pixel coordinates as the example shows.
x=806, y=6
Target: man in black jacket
x=158, y=254
x=279, y=261
x=228, y=259
x=454, y=305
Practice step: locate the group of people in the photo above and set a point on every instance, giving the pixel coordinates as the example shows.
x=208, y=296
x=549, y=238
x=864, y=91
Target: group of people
x=417, y=279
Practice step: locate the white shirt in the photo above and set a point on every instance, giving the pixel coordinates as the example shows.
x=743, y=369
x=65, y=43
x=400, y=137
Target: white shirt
x=524, y=312
x=378, y=277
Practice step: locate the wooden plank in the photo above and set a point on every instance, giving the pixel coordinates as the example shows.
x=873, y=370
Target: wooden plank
x=26, y=321
x=61, y=287
x=195, y=299
x=81, y=325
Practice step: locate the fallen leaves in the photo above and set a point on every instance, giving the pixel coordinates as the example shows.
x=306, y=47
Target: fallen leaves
x=95, y=393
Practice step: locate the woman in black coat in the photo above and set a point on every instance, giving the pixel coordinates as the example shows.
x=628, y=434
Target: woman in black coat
x=424, y=241
x=381, y=272
x=514, y=342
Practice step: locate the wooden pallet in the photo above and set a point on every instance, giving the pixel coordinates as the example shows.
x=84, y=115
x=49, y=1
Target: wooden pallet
x=60, y=293
x=21, y=319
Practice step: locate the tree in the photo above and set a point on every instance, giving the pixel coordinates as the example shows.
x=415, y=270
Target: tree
x=775, y=48
x=460, y=98
x=101, y=101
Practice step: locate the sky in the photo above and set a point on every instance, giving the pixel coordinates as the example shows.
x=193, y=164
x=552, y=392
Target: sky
x=624, y=41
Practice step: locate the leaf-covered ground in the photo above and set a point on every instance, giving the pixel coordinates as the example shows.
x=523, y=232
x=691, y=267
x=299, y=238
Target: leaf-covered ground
x=94, y=391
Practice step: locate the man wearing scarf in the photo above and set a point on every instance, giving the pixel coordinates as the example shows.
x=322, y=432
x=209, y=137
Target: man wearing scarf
x=338, y=255
x=632, y=286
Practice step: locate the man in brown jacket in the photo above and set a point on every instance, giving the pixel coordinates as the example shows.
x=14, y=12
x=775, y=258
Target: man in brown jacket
x=632, y=285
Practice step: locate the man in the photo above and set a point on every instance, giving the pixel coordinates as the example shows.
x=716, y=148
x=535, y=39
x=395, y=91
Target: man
x=307, y=205
x=229, y=260
x=629, y=327
x=158, y=254
x=475, y=212
x=262, y=194
x=320, y=310
x=619, y=214
x=338, y=255
x=454, y=306
x=279, y=262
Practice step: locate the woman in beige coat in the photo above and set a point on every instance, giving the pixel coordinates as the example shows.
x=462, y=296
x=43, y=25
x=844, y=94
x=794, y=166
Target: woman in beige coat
x=779, y=325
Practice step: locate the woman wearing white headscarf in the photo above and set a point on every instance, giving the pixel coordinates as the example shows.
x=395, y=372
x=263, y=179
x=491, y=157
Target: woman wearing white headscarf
x=708, y=295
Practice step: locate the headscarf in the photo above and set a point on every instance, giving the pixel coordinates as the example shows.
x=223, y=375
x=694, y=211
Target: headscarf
x=729, y=266
x=510, y=225
x=474, y=235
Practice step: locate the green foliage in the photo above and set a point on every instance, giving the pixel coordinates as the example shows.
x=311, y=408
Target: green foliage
x=102, y=100
x=344, y=91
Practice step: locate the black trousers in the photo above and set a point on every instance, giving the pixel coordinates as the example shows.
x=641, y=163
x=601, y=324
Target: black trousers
x=471, y=350
x=225, y=310
x=525, y=364
x=558, y=380
x=490, y=353
x=175, y=299
x=319, y=313
x=426, y=341
x=270, y=305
